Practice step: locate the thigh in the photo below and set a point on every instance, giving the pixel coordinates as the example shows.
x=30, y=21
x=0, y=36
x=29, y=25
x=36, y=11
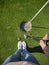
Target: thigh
x=7, y=60
x=29, y=57
x=15, y=57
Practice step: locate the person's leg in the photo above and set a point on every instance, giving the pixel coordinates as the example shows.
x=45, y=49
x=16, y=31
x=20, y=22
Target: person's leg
x=15, y=57
x=44, y=47
x=46, y=39
x=27, y=56
x=42, y=44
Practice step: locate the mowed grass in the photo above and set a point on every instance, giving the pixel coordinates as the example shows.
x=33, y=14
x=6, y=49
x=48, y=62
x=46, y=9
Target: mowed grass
x=12, y=13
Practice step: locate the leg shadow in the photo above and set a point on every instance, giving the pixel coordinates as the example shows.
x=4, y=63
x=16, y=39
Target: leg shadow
x=35, y=49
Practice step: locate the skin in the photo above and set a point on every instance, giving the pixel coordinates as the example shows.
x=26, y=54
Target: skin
x=43, y=45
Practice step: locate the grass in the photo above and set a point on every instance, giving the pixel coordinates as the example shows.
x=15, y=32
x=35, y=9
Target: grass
x=12, y=13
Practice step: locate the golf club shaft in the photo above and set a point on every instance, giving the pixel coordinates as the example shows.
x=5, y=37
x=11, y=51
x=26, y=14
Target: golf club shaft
x=39, y=11
x=37, y=40
x=34, y=38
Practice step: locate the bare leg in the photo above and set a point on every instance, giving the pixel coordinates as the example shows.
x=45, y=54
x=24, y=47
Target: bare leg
x=44, y=46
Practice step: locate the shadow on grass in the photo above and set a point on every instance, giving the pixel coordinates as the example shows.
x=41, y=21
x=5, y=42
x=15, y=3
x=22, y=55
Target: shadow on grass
x=40, y=27
x=35, y=49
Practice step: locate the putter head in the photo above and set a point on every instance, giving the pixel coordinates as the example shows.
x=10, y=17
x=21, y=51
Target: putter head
x=26, y=26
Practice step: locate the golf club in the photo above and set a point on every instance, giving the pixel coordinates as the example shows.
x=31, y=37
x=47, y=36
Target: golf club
x=28, y=26
x=33, y=38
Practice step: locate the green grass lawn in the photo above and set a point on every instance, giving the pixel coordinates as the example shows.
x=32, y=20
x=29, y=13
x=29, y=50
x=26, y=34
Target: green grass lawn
x=12, y=13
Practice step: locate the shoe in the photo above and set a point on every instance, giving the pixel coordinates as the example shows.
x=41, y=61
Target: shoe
x=24, y=45
x=19, y=45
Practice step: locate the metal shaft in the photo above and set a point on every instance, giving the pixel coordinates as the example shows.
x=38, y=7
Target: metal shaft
x=39, y=11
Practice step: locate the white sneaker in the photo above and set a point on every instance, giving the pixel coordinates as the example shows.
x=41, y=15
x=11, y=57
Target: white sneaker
x=19, y=45
x=24, y=45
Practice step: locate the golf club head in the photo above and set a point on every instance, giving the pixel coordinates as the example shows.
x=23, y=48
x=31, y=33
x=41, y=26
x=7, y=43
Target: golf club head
x=26, y=26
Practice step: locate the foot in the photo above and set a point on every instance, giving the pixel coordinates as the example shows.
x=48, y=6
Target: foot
x=24, y=44
x=19, y=45
x=46, y=37
x=42, y=44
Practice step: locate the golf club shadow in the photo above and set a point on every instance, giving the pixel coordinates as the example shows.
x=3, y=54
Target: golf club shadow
x=35, y=49
x=40, y=27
